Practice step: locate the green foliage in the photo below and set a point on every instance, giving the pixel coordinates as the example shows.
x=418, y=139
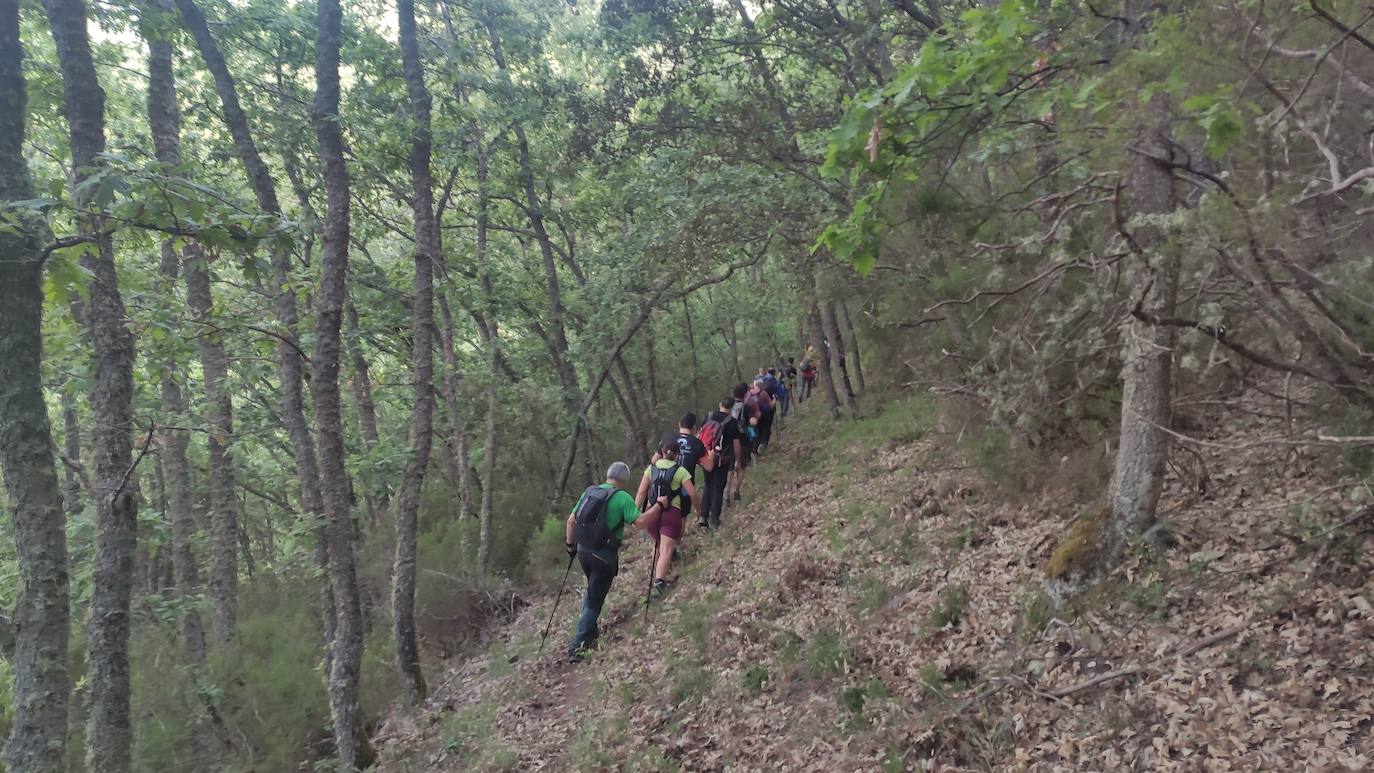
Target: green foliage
x=754, y=678
x=826, y=654
x=949, y=608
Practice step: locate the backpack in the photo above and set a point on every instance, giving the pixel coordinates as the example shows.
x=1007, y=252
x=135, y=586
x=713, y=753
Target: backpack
x=712, y=434
x=590, y=528
x=661, y=483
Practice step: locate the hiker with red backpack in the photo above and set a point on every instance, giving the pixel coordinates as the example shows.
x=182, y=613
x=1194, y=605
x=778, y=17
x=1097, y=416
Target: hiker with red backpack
x=720, y=436
x=666, y=485
x=595, y=529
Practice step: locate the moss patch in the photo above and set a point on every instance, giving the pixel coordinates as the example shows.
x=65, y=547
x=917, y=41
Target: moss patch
x=1080, y=549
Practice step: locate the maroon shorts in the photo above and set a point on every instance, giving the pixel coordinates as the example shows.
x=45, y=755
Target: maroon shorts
x=667, y=524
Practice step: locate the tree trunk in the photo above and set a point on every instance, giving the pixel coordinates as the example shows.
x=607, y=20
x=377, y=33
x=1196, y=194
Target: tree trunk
x=484, y=268
x=427, y=249
x=851, y=346
x=1147, y=357
x=108, y=734
x=38, y=734
x=290, y=363
x=696, y=362
x=830, y=319
x=224, y=515
x=71, y=448
x=823, y=361
x=347, y=650
x=361, y=383
x=164, y=119
x=458, y=432
x=833, y=376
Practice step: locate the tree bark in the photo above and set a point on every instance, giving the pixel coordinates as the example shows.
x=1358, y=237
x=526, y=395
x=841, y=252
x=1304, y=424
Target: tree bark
x=164, y=120
x=346, y=652
x=851, y=339
x=38, y=734
x=458, y=432
x=109, y=737
x=427, y=249
x=1147, y=357
x=290, y=363
x=823, y=376
x=224, y=515
x=829, y=322
x=832, y=375
x=493, y=334
x=72, y=492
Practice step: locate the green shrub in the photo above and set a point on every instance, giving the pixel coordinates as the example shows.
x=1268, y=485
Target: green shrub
x=949, y=607
x=755, y=677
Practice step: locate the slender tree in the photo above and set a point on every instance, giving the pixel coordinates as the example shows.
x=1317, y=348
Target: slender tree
x=427, y=248
x=347, y=649
x=109, y=736
x=38, y=735
x=164, y=120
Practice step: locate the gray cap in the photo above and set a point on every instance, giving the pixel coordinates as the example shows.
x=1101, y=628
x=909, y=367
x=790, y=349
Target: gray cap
x=619, y=471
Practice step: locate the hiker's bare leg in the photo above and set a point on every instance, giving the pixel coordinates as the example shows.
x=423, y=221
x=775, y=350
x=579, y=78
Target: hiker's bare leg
x=665, y=557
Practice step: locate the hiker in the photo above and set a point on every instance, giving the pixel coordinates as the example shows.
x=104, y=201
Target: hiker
x=690, y=451
x=665, y=486
x=808, y=375
x=767, y=411
x=595, y=529
x=720, y=436
x=789, y=383
x=776, y=390
x=746, y=415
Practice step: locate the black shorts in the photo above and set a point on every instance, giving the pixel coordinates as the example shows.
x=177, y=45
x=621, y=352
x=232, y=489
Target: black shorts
x=746, y=453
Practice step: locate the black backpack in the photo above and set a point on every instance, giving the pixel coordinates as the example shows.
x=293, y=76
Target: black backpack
x=661, y=484
x=590, y=528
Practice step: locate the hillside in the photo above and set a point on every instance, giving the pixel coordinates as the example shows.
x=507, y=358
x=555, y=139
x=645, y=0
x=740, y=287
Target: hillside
x=881, y=603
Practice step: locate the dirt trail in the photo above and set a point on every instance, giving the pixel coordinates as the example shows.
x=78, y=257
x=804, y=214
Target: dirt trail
x=879, y=606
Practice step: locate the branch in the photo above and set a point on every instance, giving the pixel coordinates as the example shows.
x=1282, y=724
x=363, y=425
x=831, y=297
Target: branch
x=142, y=452
x=281, y=338
x=1334, y=22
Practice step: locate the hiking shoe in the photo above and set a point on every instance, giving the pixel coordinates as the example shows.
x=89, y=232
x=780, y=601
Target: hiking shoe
x=703, y=523
x=660, y=587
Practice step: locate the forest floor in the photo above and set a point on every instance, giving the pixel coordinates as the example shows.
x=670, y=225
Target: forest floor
x=879, y=604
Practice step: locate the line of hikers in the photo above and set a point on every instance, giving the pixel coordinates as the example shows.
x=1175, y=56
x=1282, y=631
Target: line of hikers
x=722, y=445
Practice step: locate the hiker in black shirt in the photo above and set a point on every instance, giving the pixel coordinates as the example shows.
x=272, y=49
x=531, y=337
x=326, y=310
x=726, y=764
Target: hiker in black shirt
x=689, y=454
x=722, y=456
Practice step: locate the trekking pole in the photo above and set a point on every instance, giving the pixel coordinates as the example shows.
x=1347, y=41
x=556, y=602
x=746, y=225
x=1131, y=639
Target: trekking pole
x=653, y=566
x=553, y=612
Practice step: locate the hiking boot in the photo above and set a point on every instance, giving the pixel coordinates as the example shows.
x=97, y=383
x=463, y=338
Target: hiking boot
x=660, y=587
x=703, y=523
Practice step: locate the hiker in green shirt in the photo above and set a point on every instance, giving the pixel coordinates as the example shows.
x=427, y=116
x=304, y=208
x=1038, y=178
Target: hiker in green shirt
x=596, y=527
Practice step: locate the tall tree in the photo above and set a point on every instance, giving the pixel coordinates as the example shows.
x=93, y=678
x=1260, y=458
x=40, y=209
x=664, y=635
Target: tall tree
x=1148, y=352
x=347, y=649
x=290, y=358
x=164, y=120
x=427, y=249
x=109, y=736
x=38, y=735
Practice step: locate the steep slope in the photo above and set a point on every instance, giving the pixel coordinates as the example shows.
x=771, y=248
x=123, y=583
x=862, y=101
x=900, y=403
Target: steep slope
x=877, y=605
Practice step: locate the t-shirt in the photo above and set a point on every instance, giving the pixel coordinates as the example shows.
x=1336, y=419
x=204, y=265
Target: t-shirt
x=620, y=510
x=679, y=478
x=689, y=452
x=729, y=432
x=765, y=400
x=790, y=373
x=771, y=385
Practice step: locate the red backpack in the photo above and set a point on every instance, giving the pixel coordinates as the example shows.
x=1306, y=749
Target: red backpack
x=711, y=434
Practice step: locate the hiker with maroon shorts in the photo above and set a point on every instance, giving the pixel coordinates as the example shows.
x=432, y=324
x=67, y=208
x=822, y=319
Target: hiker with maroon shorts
x=664, y=487
x=767, y=411
x=720, y=435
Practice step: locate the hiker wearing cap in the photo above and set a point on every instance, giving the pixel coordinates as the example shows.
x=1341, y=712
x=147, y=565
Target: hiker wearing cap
x=664, y=488
x=595, y=529
x=720, y=435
